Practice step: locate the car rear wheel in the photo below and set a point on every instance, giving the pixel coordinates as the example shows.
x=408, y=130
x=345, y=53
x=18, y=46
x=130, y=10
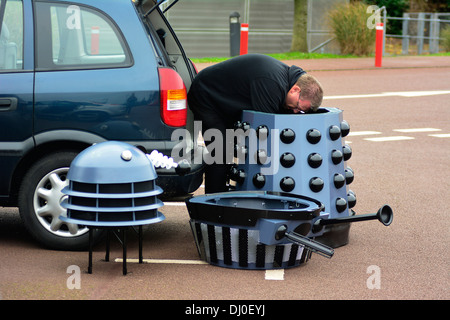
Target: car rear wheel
x=40, y=199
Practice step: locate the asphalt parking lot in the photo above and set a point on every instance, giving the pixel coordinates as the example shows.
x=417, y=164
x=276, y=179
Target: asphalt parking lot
x=400, y=135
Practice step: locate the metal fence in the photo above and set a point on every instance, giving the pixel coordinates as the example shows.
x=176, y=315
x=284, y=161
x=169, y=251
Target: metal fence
x=320, y=37
x=420, y=32
x=203, y=26
x=423, y=29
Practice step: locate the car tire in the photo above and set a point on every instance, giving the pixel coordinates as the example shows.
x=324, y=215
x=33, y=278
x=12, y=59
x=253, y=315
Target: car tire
x=40, y=198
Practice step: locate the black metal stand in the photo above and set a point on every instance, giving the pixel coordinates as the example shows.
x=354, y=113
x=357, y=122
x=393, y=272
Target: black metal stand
x=121, y=234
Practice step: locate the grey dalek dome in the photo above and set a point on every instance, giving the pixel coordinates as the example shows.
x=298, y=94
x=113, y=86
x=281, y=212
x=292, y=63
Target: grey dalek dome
x=112, y=184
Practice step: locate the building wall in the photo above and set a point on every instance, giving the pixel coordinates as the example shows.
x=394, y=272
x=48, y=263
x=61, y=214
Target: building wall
x=203, y=26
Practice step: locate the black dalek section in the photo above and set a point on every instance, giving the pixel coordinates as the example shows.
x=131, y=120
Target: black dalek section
x=303, y=154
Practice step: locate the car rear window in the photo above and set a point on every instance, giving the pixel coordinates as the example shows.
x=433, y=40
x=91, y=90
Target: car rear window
x=11, y=35
x=75, y=37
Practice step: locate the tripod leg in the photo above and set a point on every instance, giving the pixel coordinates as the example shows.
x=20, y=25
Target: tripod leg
x=124, y=246
x=108, y=240
x=91, y=231
x=140, y=244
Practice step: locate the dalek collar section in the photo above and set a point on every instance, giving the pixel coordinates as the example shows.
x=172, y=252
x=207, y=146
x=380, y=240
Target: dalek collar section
x=245, y=208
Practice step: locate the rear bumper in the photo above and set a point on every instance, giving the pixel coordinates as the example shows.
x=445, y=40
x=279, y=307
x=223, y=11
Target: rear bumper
x=176, y=185
x=171, y=182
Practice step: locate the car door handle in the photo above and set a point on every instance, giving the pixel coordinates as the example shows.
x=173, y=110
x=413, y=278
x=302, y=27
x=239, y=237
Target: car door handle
x=8, y=104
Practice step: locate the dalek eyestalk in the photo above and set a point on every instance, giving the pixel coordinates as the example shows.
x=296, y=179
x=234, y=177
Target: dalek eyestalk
x=385, y=215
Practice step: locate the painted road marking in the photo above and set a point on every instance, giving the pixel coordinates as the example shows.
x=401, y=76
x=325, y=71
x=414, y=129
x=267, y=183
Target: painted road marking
x=417, y=130
x=395, y=138
x=440, y=135
x=419, y=93
x=398, y=138
x=407, y=94
x=275, y=274
x=175, y=204
x=363, y=133
x=163, y=261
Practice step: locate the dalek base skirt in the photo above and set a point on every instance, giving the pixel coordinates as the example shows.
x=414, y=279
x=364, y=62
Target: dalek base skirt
x=249, y=230
x=239, y=248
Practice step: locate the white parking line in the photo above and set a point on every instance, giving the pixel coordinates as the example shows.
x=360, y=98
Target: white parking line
x=164, y=261
x=275, y=274
x=362, y=133
x=407, y=94
x=395, y=138
x=440, y=135
x=417, y=130
x=175, y=204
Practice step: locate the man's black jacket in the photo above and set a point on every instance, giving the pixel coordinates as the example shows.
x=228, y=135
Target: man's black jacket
x=248, y=82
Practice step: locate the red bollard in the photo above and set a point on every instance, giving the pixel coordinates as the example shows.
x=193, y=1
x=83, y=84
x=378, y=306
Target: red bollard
x=244, y=39
x=379, y=44
x=95, y=39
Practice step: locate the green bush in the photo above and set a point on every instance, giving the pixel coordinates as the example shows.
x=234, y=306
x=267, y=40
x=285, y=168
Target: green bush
x=445, y=36
x=349, y=23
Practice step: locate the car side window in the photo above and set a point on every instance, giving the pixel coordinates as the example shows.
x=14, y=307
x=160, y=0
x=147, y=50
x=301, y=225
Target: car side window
x=11, y=35
x=75, y=37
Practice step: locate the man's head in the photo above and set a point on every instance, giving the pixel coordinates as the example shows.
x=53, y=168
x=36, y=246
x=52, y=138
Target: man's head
x=306, y=94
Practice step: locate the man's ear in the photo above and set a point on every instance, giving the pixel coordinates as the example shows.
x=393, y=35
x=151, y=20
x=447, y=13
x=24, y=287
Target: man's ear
x=295, y=88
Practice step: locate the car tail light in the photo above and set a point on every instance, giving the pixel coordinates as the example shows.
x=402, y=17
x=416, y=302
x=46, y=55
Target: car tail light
x=173, y=98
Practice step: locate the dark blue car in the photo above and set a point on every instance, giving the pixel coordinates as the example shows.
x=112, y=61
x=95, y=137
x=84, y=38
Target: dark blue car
x=77, y=73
